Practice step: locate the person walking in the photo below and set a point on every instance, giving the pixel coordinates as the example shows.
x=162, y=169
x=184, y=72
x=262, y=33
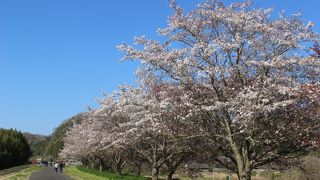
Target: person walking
x=61, y=165
x=56, y=165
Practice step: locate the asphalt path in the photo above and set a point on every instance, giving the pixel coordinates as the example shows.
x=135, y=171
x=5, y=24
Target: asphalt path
x=48, y=173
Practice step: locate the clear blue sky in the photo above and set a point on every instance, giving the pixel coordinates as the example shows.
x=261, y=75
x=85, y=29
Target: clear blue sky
x=56, y=56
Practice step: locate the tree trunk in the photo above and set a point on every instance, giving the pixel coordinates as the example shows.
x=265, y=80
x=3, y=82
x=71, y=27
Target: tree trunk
x=243, y=162
x=119, y=166
x=101, y=164
x=119, y=170
x=139, y=170
x=245, y=174
x=173, y=163
x=118, y=163
x=244, y=166
x=155, y=172
x=169, y=176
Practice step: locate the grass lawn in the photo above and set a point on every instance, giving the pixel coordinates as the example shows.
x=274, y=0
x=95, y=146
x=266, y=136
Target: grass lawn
x=82, y=173
x=79, y=173
x=76, y=174
x=22, y=174
x=209, y=176
x=219, y=176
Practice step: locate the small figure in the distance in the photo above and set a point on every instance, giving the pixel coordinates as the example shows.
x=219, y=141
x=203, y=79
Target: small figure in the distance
x=61, y=165
x=56, y=165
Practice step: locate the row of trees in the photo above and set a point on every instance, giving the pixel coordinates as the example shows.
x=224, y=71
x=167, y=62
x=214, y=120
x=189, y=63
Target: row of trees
x=14, y=149
x=54, y=143
x=229, y=83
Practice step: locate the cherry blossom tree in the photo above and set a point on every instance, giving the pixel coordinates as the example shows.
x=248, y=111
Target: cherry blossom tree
x=76, y=144
x=154, y=130
x=146, y=121
x=250, y=85
x=96, y=136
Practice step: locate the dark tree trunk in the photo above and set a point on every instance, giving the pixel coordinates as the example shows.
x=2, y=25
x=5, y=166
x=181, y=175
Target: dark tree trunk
x=173, y=163
x=119, y=164
x=139, y=170
x=169, y=176
x=119, y=170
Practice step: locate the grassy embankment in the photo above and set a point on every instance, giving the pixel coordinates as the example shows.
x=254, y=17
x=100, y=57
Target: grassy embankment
x=82, y=173
x=21, y=175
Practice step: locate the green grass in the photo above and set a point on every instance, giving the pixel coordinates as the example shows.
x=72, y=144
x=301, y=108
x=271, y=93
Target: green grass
x=22, y=174
x=82, y=173
x=199, y=178
x=76, y=174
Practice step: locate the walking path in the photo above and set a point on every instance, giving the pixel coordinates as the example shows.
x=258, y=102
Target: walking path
x=48, y=174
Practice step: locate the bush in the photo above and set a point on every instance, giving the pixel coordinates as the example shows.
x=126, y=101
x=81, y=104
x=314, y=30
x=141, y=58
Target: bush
x=253, y=173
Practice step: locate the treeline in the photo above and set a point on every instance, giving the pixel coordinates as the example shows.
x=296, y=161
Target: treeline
x=48, y=147
x=14, y=148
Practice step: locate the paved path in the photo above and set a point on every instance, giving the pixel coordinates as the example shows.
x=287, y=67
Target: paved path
x=48, y=174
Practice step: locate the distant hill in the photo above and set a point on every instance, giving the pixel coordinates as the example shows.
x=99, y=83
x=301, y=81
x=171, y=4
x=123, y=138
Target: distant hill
x=55, y=143
x=33, y=138
x=38, y=143
x=48, y=147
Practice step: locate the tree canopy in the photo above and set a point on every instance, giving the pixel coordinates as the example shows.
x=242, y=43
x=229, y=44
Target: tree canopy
x=14, y=148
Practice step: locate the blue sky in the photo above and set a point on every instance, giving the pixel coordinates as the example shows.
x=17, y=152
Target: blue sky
x=57, y=56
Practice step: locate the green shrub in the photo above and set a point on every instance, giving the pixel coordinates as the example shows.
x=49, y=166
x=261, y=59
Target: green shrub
x=253, y=173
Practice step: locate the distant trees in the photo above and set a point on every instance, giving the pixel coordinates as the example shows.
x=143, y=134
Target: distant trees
x=37, y=143
x=231, y=76
x=14, y=149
